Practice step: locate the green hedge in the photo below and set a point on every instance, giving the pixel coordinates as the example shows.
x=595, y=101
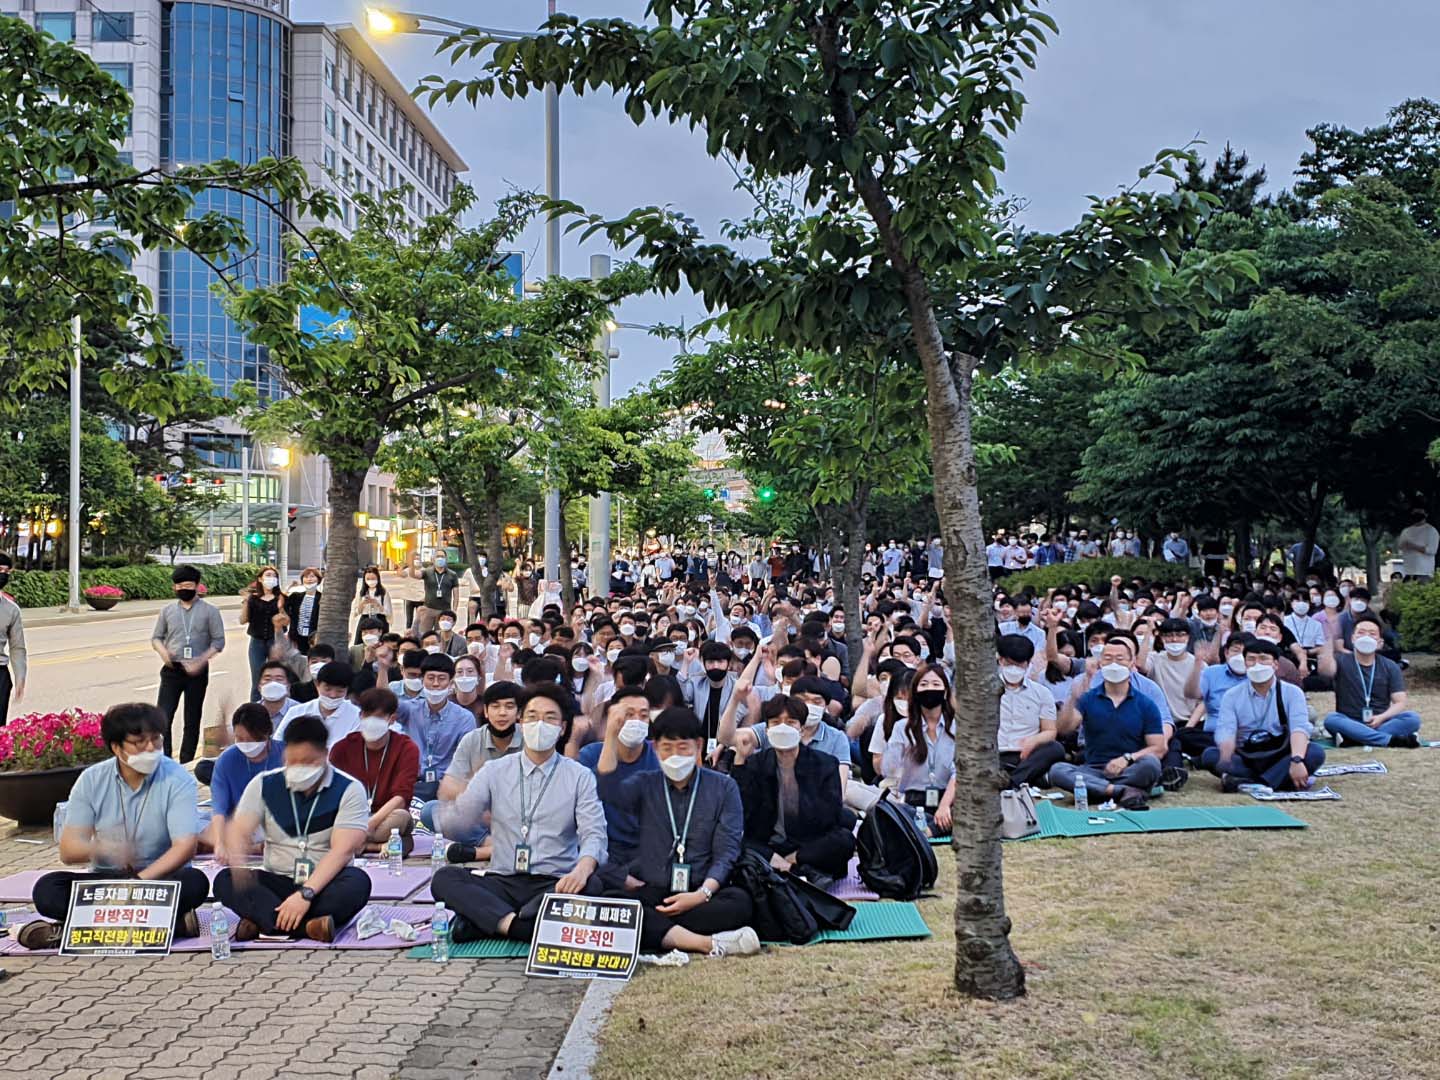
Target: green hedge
x=1418, y=608
x=45, y=588
x=1096, y=573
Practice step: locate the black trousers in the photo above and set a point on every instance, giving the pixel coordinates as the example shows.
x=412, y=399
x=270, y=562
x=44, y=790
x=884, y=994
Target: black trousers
x=729, y=909
x=1035, y=768
x=482, y=900
x=6, y=686
x=1194, y=740
x=829, y=852
x=176, y=682
x=257, y=898
x=51, y=894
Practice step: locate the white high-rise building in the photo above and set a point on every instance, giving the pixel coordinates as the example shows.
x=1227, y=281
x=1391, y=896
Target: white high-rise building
x=240, y=80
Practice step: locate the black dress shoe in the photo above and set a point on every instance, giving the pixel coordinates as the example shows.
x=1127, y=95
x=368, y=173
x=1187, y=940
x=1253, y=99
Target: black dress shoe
x=1406, y=742
x=459, y=853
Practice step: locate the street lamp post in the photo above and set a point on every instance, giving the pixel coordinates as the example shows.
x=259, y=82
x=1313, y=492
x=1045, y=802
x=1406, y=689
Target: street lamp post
x=280, y=458
x=74, y=604
x=600, y=505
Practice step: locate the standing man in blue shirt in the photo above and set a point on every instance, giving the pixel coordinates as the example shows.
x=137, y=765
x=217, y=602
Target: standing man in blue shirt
x=1264, y=729
x=1176, y=549
x=436, y=723
x=187, y=635
x=627, y=714
x=1124, y=732
x=690, y=831
x=547, y=827
x=133, y=816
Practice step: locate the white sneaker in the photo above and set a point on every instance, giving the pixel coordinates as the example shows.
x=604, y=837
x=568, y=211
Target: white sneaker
x=742, y=942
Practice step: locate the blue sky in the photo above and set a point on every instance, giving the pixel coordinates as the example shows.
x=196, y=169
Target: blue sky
x=1123, y=79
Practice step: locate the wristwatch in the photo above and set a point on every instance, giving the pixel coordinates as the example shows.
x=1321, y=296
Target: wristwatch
x=1129, y=759
x=708, y=894
x=1296, y=759
x=307, y=893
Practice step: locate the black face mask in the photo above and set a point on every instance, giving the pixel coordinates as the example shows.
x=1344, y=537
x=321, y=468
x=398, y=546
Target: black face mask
x=928, y=699
x=4, y=579
x=500, y=733
x=185, y=594
x=716, y=675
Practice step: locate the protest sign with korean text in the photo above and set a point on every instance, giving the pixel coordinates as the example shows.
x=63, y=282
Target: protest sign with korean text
x=585, y=937
x=120, y=918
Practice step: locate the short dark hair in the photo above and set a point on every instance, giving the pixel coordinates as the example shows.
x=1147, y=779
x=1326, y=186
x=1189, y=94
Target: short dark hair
x=335, y=673
x=1261, y=647
x=1126, y=636
x=1243, y=639
x=6, y=559
x=661, y=687
x=1367, y=617
x=543, y=670
x=438, y=662
x=322, y=650
x=676, y=722
x=120, y=722
x=185, y=573
x=809, y=684
x=377, y=701
x=623, y=694
x=504, y=690
x=254, y=718
x=308, y=728
x=1206, y=603
x=1359, y=592
x=1016, y=647
x=716, y=650
x=783, y=703
x=552, y=692
x=630, y=670
x=1174, y=626
x=413, y=658
x=276, y=665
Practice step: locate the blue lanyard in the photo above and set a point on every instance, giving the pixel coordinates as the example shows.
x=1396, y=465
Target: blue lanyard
x=1263, y=714
x=1366, y=686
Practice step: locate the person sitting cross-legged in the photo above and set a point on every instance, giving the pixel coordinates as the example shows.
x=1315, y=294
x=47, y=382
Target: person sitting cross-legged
x=315, y=820
x=795, y=812
x=131, y=816
x=254, y=751
x=1027, y=735
x=1264, y=730
x=386, y=763
x=1370, y=698
x=690, y=831
x=629, y=713
x=547, y=827
x=1124, y=732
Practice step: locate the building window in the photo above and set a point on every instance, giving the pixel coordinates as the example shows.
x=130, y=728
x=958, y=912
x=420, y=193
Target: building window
x=112, y=26
x=330, y=74
x=370, y=156
x=328, y=154
x=59, y=25
x=345, y=134
x=329, y=120
x=124, y=74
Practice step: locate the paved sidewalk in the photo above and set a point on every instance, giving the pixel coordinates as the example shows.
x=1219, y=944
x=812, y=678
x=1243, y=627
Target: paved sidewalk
x=271, y=1015
x=126, y=609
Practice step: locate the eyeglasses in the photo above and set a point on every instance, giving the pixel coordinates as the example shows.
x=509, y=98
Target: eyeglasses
x=137, y=743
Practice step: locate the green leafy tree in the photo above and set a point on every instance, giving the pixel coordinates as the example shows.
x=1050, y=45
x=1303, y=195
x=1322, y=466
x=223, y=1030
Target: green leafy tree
x=889, y=116
x=427, y=329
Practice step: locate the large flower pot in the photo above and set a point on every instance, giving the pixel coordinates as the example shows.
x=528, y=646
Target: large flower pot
x=31, y=797
x=102, y=603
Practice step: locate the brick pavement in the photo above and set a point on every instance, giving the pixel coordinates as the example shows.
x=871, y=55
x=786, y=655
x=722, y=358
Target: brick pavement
x=266, y=1015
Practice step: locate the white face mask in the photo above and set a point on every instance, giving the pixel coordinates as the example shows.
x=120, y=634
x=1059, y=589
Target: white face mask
x=273, y=691
x=1115, y=673
x=1365, y=645
x=329, y=704
x=1237, y=663
x=534, y=639
x=145, y=762
x=475, y=648
x=1096, y=650
x=447, y=624
x=1269, y=638
x=813, y=715
x=433, y=650
x=315, y=669
x=665, y=659
x=1259, y=673
x=1300, y=607
x=1227, y=610
x=250, y=749
x=414, y=685
x=627, y=629
x=783, y=736
x=612, y=655
x=1012, y=674
x=373, y=728
x=437, y=697
x=1248, y=625
x=513, y=642
x=1358, y=606
x=1175, y=648
x=540, y=736
x=581, y=664
x=370, y=639
x=466, y=683
x=311, y=586
x=634, y=732
x=300, y=777
x=902, y=707
x=678, y=767
x=742, y=653
x=1209, y=624
x=269, y=581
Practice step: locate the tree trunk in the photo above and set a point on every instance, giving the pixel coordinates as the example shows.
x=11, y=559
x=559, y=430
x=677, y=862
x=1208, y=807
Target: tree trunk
x=845, y=572
x=1312, y=529
x=494, y=542
x=1371, y=538
x=563, y=575
x=342, y=560
x=466, y=518
x=1242, y=546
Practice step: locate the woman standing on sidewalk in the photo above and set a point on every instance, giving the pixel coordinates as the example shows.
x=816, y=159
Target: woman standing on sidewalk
x=371, y=599
x=259, y=604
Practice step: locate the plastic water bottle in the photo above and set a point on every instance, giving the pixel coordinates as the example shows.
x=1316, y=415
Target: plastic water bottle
x=920, y=820
x=437, y=855
x=219, y=933
x=394, y=852
x=1082, y=795
x=440, y=931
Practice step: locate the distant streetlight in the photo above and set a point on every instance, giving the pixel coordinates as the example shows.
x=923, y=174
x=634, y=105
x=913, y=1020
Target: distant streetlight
x=280, y=458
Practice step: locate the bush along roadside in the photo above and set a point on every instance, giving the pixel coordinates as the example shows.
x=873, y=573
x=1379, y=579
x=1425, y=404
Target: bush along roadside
x=1416, y=609
x=1096, y=574
x=48, y=588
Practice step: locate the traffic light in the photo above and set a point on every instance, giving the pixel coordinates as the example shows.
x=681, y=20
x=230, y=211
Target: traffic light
x=255, y=540
x=767, y=494
x=709, y=493
x=291, y=516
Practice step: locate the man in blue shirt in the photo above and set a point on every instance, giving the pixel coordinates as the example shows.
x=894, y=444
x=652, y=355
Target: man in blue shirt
x=628, y=712
x=133, y=816
x=691, y=827
x=1264, y=729
x=1124, y=732
x=252, y=753
x=1211, y=686
x=1175, y=549
x=436, y=722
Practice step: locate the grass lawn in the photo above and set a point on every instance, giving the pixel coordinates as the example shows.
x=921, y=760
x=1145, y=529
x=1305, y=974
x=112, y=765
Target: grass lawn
x=1228, y=955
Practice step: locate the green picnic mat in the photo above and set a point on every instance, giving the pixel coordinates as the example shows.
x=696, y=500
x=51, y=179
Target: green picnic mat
x=1058, y=821
x=875, y=920
x=937, y=841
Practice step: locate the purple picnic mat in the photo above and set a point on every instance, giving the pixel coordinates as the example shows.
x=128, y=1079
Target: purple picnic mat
x=424, y=844
x=18, y=887
x=346, y=939
x=851, y=887
x=387, y=886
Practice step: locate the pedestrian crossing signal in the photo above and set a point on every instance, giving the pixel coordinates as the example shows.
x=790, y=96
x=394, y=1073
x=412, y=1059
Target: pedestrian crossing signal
x=767, y=494
x=255, y=540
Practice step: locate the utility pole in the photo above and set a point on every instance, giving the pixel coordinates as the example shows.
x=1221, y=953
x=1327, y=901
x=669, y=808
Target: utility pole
x=74, y=604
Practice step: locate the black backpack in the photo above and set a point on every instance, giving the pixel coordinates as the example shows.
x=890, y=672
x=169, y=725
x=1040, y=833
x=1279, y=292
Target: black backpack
x=895, y=858
x=780, y=913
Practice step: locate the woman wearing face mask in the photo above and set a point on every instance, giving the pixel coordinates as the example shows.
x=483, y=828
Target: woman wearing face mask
x=303, y=607
x=371, y=599
x=251, y=752
x=468, y=686
x=386, y=763
x=369, y=632
x=794, y=805
x=261, y=603
x=314, y=818
x=894, y=714
x=920, y=755
x=138, y=809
